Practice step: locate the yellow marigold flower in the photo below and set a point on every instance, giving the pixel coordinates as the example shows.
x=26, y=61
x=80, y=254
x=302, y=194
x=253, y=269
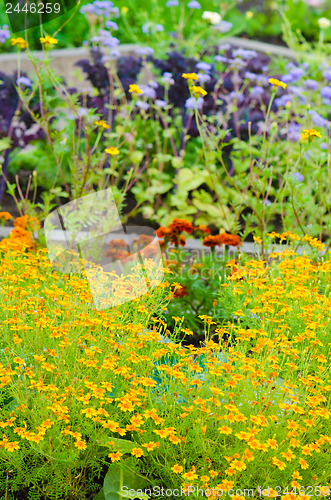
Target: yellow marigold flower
x=225, y=430
x=81, y=445
x=190, y=475
x=137, y=452
x=20, y=42
x=277, y=83
x=48, y=40
x=115, y=456
x=198, y=91
x=177, y=469
x=134, y=89
x=308, y=134
x=124, y=10
x=112, y=151
x=11, y=446
x=102, y=123
x=281, y=465
x=190, y=76
x=5, y=215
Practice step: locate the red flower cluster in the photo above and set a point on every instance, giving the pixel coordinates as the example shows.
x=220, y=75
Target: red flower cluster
x=180, y=292
x=221, y=239
x=172, y=233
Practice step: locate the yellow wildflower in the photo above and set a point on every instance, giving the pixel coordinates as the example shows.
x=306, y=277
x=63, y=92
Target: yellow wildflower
x=48, y=40
x=277, y=83
x=198, y=91
x=112, y=151
x=190, y=76
x=20, y=42
x=308, y=134
x=102, y=123
x=134, y=89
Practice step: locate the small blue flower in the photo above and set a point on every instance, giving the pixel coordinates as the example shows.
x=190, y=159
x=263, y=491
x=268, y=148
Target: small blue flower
x=167, y=78
x=172, y=3
x=4, y=34
x=23, y=80
x=223, y=27
x=142, y=105
x=325, y=146
x=244, y=53
x=194, y=5
x=289, y=66
x=202, y=77
x=318, y=119
x=251, y=76
x=113, y=55
x=294, y=132
x=148, y=91
x=296, y=74
x=160, y=103
x=153, y=84
x=311, y=84
x=298, y=177
x=327, y=74
x=191, y=102
x=203, y=66
x=256, y=91
x=111, y=25
x=145, y=28
x=158, y=28
x=297, y=91
x=221, y=59
x=326, y=92
x=287, y=78
x=144, y=51
x=110, y=42
x=281, y=101
x=224, y=46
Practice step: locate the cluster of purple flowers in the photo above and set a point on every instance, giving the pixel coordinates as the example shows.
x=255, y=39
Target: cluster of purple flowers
x=103, y=8
x=4, y=34
x=151, y=28
x=106, y=39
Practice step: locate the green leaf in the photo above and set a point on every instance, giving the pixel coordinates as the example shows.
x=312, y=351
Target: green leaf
x=100, y=495
x=120, y=479
x=5, y=143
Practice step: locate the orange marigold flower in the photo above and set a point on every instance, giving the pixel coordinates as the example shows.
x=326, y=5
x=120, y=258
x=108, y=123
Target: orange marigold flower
x=5, y=215
x=115, y=456
x=162, y=232
x=137, y=452
x=229, y=239
x=81, y=445
x=181, y=225
x=177, y=469
x=180, y=292
x=211, y=241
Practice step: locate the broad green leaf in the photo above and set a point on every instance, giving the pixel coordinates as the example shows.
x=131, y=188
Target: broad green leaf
x=120, y=479
x=100, y=495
